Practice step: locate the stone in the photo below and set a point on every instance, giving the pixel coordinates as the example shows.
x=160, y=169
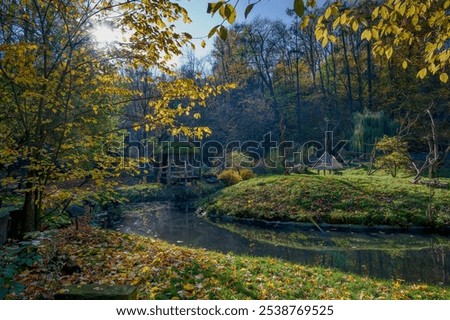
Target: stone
x=98, y=292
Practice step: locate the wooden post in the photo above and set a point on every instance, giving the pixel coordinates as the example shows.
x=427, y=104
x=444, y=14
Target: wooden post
x=168, y=169
x=185, y=173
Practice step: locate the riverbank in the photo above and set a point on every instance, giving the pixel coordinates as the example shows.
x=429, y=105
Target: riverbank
x=163, y=271
x=352, y=198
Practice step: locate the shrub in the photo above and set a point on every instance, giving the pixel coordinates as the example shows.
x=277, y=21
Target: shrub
x=12, y=261
x=394, y=154
x=246, y=174
x=238, y=160
x=230, y=177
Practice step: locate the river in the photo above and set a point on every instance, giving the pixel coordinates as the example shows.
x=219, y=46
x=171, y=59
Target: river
x=388, y=254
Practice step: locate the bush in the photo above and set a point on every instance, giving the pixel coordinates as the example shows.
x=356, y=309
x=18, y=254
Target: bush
x=12, y=261
x=394, y=154
x=246, y=174
x=230, y=177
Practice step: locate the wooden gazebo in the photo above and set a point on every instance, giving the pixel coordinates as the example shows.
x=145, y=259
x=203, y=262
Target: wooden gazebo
x=327, y=162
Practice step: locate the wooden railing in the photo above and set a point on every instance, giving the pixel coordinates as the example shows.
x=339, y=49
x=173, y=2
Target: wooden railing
x=174, y=173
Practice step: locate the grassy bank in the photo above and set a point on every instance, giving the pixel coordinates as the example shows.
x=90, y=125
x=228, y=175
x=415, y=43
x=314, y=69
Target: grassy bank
x=353, y=198
x=146, y=192
x=163, y=271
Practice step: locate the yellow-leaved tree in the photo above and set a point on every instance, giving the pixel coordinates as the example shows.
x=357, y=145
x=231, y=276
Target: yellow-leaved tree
x=61, y=93
x=392, y=26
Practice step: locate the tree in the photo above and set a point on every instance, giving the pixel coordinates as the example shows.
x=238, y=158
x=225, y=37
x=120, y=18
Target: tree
x=395, y=24
x=393, y=156
x=62, y=95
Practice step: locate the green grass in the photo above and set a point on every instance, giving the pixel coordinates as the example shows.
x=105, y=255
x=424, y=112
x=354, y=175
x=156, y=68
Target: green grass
x=164, y=271
x=353, y=198
x=142, y=192
x=146, y=192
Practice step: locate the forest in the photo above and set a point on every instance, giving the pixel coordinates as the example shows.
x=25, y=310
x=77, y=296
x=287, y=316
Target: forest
x=313, y=148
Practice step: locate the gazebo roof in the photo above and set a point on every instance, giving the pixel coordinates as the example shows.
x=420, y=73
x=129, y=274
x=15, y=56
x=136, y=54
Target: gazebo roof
x=327, y=162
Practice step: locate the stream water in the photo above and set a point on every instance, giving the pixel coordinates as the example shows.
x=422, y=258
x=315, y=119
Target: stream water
x=413, y=257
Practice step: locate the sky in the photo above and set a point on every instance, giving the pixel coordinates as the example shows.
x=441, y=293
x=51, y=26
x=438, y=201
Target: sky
x=202, y=22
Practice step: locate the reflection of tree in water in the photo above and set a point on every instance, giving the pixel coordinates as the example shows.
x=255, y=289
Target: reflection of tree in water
x=393, y=256
x=437, y=252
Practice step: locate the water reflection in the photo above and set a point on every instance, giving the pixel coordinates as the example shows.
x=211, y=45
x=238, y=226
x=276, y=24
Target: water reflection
x=410, y=257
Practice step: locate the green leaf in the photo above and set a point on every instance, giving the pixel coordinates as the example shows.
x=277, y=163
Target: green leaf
x=212, y=31
x=248, y=10
x=299, y=7
x=223, y=33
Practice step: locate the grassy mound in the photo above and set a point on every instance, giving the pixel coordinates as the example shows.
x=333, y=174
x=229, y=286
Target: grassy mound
x=163, y=271
x=353, y=198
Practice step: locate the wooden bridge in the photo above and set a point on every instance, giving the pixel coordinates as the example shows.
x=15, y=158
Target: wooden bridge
x=173, y=173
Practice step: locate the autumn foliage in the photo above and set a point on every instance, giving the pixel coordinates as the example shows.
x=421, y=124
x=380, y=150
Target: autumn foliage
x=163, y=271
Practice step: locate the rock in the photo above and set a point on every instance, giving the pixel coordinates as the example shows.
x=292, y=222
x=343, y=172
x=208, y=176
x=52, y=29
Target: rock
x=97, y=292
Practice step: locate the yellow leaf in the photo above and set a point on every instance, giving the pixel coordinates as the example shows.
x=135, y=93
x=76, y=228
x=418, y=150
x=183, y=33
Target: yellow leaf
x=389, y=52
x=384, y=13
x=188, y=287
x=318, y=33
x=405, y=64
x=422, y=73
x=327, y=13
x=375, y=13
x=443, y=77
x=375, y=34
x=305, y=22
x=367, y=34
x=203, y=43
x=355, y=25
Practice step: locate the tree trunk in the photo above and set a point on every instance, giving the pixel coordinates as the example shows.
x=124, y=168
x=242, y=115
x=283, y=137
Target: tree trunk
x=369, y=76
x=348, y=74
x=31, y=211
